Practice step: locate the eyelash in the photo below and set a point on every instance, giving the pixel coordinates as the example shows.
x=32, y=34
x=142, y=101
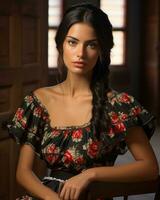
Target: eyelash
x=72, y=42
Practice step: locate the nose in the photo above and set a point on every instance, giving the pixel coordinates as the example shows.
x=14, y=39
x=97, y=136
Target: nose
x=81, y=51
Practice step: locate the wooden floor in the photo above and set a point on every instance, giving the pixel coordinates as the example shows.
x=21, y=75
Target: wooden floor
x=155, y=142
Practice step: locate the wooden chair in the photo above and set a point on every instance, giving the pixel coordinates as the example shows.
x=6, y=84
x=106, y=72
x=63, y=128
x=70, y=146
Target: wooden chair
x=110, y=189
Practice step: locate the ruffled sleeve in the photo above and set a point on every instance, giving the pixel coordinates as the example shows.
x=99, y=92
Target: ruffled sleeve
x=28, y=124
x=126, y=112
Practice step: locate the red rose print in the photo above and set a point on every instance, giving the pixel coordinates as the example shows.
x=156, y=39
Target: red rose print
x=55, y=133
x=51, y=148
x=114, y=117
x=52, y=153
x=20, y=117
x=93, y=149
x=66, y=133
x=19, y=113
x=125, y=98
x=119, y=127
x=68, y=158
x=123, y=116
x=79, y=160
x=51, y=158
x=136, y=110
x=77, y=135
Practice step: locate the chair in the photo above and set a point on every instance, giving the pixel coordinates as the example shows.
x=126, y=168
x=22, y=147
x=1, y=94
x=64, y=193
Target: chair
x=113, y=189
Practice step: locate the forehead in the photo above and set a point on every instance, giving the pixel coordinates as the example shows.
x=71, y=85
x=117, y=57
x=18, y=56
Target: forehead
x=82, y=31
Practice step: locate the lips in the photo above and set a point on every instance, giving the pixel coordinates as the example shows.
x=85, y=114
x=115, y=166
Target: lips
x=79, y=64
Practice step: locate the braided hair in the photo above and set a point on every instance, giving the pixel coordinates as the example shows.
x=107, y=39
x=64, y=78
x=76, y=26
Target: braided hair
x=99, y=85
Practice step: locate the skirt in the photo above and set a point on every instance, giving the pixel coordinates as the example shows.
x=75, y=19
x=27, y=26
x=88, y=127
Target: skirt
x=55, y=181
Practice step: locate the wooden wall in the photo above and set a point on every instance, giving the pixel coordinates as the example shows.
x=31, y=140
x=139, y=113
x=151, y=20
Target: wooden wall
x=150, y=69
x=23, y=68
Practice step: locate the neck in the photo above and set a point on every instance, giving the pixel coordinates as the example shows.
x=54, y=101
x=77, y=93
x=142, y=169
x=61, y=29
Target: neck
x=77, y=85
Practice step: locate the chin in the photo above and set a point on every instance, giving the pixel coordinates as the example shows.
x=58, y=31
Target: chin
x=80, y=71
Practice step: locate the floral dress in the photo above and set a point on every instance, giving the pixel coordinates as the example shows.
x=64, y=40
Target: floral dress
x=76, y=148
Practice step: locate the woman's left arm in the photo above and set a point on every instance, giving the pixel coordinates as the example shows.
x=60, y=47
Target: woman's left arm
x=145, y=166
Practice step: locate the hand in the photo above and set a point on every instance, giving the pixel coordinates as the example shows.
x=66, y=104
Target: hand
x=74, y=186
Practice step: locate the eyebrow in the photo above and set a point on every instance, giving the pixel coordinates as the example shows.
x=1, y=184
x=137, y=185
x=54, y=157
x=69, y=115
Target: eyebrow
x=92, y=40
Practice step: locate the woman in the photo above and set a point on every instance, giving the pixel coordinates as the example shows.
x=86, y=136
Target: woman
x=80, y=125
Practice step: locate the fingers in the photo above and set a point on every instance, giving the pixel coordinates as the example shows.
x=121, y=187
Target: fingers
x=65, y=194
x=69, y=193
x=72, y=194
x=76, y=195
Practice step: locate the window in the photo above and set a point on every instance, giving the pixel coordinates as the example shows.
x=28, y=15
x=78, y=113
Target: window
x=54, y=17
x=116, y=13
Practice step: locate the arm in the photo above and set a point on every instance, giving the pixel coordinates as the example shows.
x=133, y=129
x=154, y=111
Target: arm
x=28, y=179
x=145, y=167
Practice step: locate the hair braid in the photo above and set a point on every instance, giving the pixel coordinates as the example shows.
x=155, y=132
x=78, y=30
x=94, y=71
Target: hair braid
x=100, y=88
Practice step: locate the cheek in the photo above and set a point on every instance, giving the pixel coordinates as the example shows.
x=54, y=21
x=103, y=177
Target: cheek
x=93, y=58
x=67, y=53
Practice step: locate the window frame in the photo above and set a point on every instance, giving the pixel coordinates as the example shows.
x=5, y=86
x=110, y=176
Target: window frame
x=54, y=28
x=124, y=29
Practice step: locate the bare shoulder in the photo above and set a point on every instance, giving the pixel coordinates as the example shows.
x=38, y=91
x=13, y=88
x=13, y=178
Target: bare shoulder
x=45, y=93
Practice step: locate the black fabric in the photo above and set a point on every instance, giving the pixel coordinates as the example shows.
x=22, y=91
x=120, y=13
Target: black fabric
x=53, y=184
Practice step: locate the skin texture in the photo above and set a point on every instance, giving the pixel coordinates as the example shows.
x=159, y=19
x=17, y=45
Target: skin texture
x=74, y=94
x=80, y=47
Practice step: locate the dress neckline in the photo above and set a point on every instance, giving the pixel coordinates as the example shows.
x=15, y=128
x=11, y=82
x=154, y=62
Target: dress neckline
x=67, y=127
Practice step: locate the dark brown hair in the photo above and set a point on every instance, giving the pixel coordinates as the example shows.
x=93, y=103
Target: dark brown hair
x=99, y=21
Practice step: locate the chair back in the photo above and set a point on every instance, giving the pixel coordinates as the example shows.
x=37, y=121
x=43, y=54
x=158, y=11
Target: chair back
x=113, y=189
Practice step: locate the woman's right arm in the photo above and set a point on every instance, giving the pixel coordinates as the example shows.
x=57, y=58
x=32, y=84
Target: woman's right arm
x=28, y=179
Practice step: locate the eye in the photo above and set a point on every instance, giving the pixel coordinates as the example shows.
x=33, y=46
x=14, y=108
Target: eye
x=92, y=45
x=72, y=42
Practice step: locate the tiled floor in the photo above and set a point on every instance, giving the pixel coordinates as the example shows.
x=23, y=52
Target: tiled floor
x=155, y=142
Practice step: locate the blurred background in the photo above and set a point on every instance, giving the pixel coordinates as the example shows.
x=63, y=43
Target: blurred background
x=28, y=60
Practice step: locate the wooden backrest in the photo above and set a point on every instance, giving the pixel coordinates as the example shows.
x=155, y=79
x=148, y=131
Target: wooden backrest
x=114, y=189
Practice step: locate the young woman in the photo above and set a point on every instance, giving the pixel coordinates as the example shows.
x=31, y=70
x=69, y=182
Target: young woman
x=79, y=126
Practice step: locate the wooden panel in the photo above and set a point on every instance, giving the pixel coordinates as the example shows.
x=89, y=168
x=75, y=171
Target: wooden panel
x=31, y=81
x=150, y=70
x=29, y=40
x=23, y=68
x=5, y=169
x=27, y=88
x=35, y=75
x=151, y=94
x=7, y=76
x=4, y=40
x=3, y=119
x=5, y=7
x=4, y=100
x=11, y=79
x=31, y=8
